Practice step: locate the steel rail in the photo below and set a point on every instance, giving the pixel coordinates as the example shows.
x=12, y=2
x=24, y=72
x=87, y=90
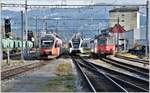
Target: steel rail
x=109, y=79
x=20, y=69
x=133, y=59
x=135, y=71
x=84, y=74
x=117, y=79
x=105, y=76
x=138, y=82
x=120, y=80
x=138, y=70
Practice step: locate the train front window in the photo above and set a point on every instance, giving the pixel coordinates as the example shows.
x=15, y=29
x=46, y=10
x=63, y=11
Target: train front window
x=76, y=45
x=110, y=41
x=101, y=41
x=46, y=44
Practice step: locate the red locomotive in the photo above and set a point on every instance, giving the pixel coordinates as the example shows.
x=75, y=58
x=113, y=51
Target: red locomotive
x=51, y=46
x=103, y=45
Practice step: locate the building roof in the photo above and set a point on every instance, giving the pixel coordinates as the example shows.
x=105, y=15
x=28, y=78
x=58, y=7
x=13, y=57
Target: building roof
x=117, y=29
x=125, y=9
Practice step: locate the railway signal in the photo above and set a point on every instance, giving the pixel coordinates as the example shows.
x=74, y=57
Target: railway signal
x=30, y=35
x=7, y=28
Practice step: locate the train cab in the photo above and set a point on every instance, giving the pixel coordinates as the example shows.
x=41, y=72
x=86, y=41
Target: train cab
x=50, y=46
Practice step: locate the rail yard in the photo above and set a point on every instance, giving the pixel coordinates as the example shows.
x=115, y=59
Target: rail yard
x=54, y=46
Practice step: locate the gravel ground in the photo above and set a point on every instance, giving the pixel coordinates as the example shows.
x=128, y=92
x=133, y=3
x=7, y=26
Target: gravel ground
x=58, y=76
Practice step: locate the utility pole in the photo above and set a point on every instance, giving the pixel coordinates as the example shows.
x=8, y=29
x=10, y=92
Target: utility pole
x=36, y=25
x=26, y=26
x=45, y=24
x=35, y=43
x=22, y=36
x=148, y=5
x=1, y=53
x=36, y=29
x=118, y=36
x=26, y=20
x=147, y=19
x=147, y=27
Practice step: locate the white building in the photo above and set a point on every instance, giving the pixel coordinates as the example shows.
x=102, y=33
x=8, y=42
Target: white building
x=129, y=18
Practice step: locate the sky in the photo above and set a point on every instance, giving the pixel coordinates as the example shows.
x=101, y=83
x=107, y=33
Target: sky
x=69, y=2
x=76, y=1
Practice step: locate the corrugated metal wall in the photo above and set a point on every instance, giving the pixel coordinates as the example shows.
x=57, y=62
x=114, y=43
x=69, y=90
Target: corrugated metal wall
x=128, y=35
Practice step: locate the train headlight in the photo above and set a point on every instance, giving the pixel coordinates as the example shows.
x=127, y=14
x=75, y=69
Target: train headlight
x=107, y=48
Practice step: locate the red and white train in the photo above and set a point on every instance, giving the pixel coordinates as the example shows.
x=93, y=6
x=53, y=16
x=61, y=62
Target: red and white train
x=51, y=46
x=103, y=45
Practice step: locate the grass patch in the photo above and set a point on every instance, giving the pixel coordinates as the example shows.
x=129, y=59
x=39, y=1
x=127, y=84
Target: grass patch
x=64, y=68
x=69, y=77
x=63, y=83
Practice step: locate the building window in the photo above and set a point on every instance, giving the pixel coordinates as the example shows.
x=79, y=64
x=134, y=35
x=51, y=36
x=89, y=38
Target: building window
x=123, y=15
x=122, y=20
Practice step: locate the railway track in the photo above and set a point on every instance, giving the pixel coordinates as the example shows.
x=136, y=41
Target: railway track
x=110, y=80
x=20, y=69
x=133, y=59
x=141, y=72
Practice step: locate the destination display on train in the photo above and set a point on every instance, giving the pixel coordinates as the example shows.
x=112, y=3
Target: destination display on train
x=75, y=40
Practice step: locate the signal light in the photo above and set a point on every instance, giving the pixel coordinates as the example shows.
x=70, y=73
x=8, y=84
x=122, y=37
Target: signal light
x=7, y=27
x=30, y=35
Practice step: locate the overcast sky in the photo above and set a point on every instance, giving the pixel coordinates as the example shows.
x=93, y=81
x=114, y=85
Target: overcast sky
x=74, y=2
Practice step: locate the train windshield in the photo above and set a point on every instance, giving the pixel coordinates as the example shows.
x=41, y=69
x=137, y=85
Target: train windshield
x=76, y=45
x=110, y=41
x=101, y=41
x=47, y=44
